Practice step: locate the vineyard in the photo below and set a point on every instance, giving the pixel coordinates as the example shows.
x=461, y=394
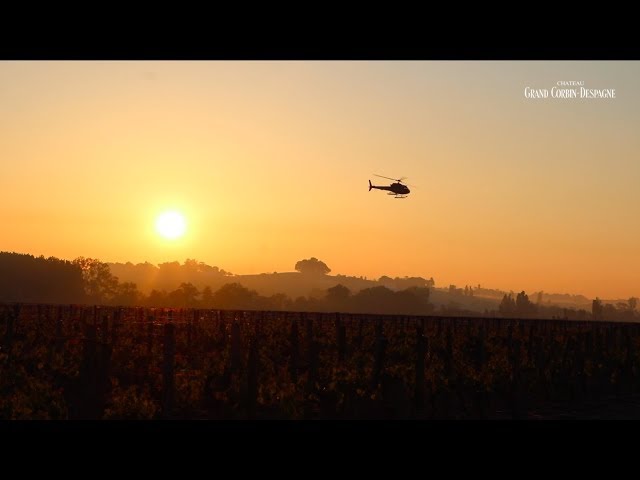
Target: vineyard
x=81, y=362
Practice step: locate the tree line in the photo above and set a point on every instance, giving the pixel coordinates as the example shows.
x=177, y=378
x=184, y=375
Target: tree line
x=30, y=279
x=25, y=278
x=522, y=307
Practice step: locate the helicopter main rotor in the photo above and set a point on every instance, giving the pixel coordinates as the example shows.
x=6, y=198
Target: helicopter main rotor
x=399, y=180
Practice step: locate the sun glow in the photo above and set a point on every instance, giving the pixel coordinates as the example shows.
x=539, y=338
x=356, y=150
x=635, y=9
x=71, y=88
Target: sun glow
x=171, y=225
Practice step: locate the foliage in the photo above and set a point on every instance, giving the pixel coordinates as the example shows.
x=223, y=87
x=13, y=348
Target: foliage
x=106, y=362
x=312, y=266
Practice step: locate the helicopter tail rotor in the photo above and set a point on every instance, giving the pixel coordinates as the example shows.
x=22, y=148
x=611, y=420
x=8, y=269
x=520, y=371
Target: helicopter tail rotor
x=370, y=186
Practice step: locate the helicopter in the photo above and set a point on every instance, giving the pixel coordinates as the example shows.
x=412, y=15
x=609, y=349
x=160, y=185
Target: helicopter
x=398, y=189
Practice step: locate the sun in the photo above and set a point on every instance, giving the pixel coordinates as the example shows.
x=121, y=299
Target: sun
x=171, y=225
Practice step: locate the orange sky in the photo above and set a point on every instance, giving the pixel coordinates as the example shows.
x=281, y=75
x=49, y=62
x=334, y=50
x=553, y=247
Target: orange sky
x=269, y=162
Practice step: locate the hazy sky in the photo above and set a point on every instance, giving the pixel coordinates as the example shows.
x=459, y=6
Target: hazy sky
x=269, y=162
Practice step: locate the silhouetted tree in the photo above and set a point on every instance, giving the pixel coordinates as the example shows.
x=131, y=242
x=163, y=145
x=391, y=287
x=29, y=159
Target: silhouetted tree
x=301, y=304
x=185, y=296
x=234, y=296
x=191, y=265
x=25, y=278
x=596, y=309
x=507, y=306
x=142, y=274
x=312, y=266
x=524, y=307
x=157, y=298
x=279, y=301
x=413, y=301
x=337, y=297
x=100, y=285
x=404, y=283
x=374, y=300
x=339, y=292
x=127, y=294
x=169, y=275
x=207, y=297
x=609, y=312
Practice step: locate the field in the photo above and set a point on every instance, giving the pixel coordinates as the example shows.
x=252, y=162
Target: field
x=82, y=362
